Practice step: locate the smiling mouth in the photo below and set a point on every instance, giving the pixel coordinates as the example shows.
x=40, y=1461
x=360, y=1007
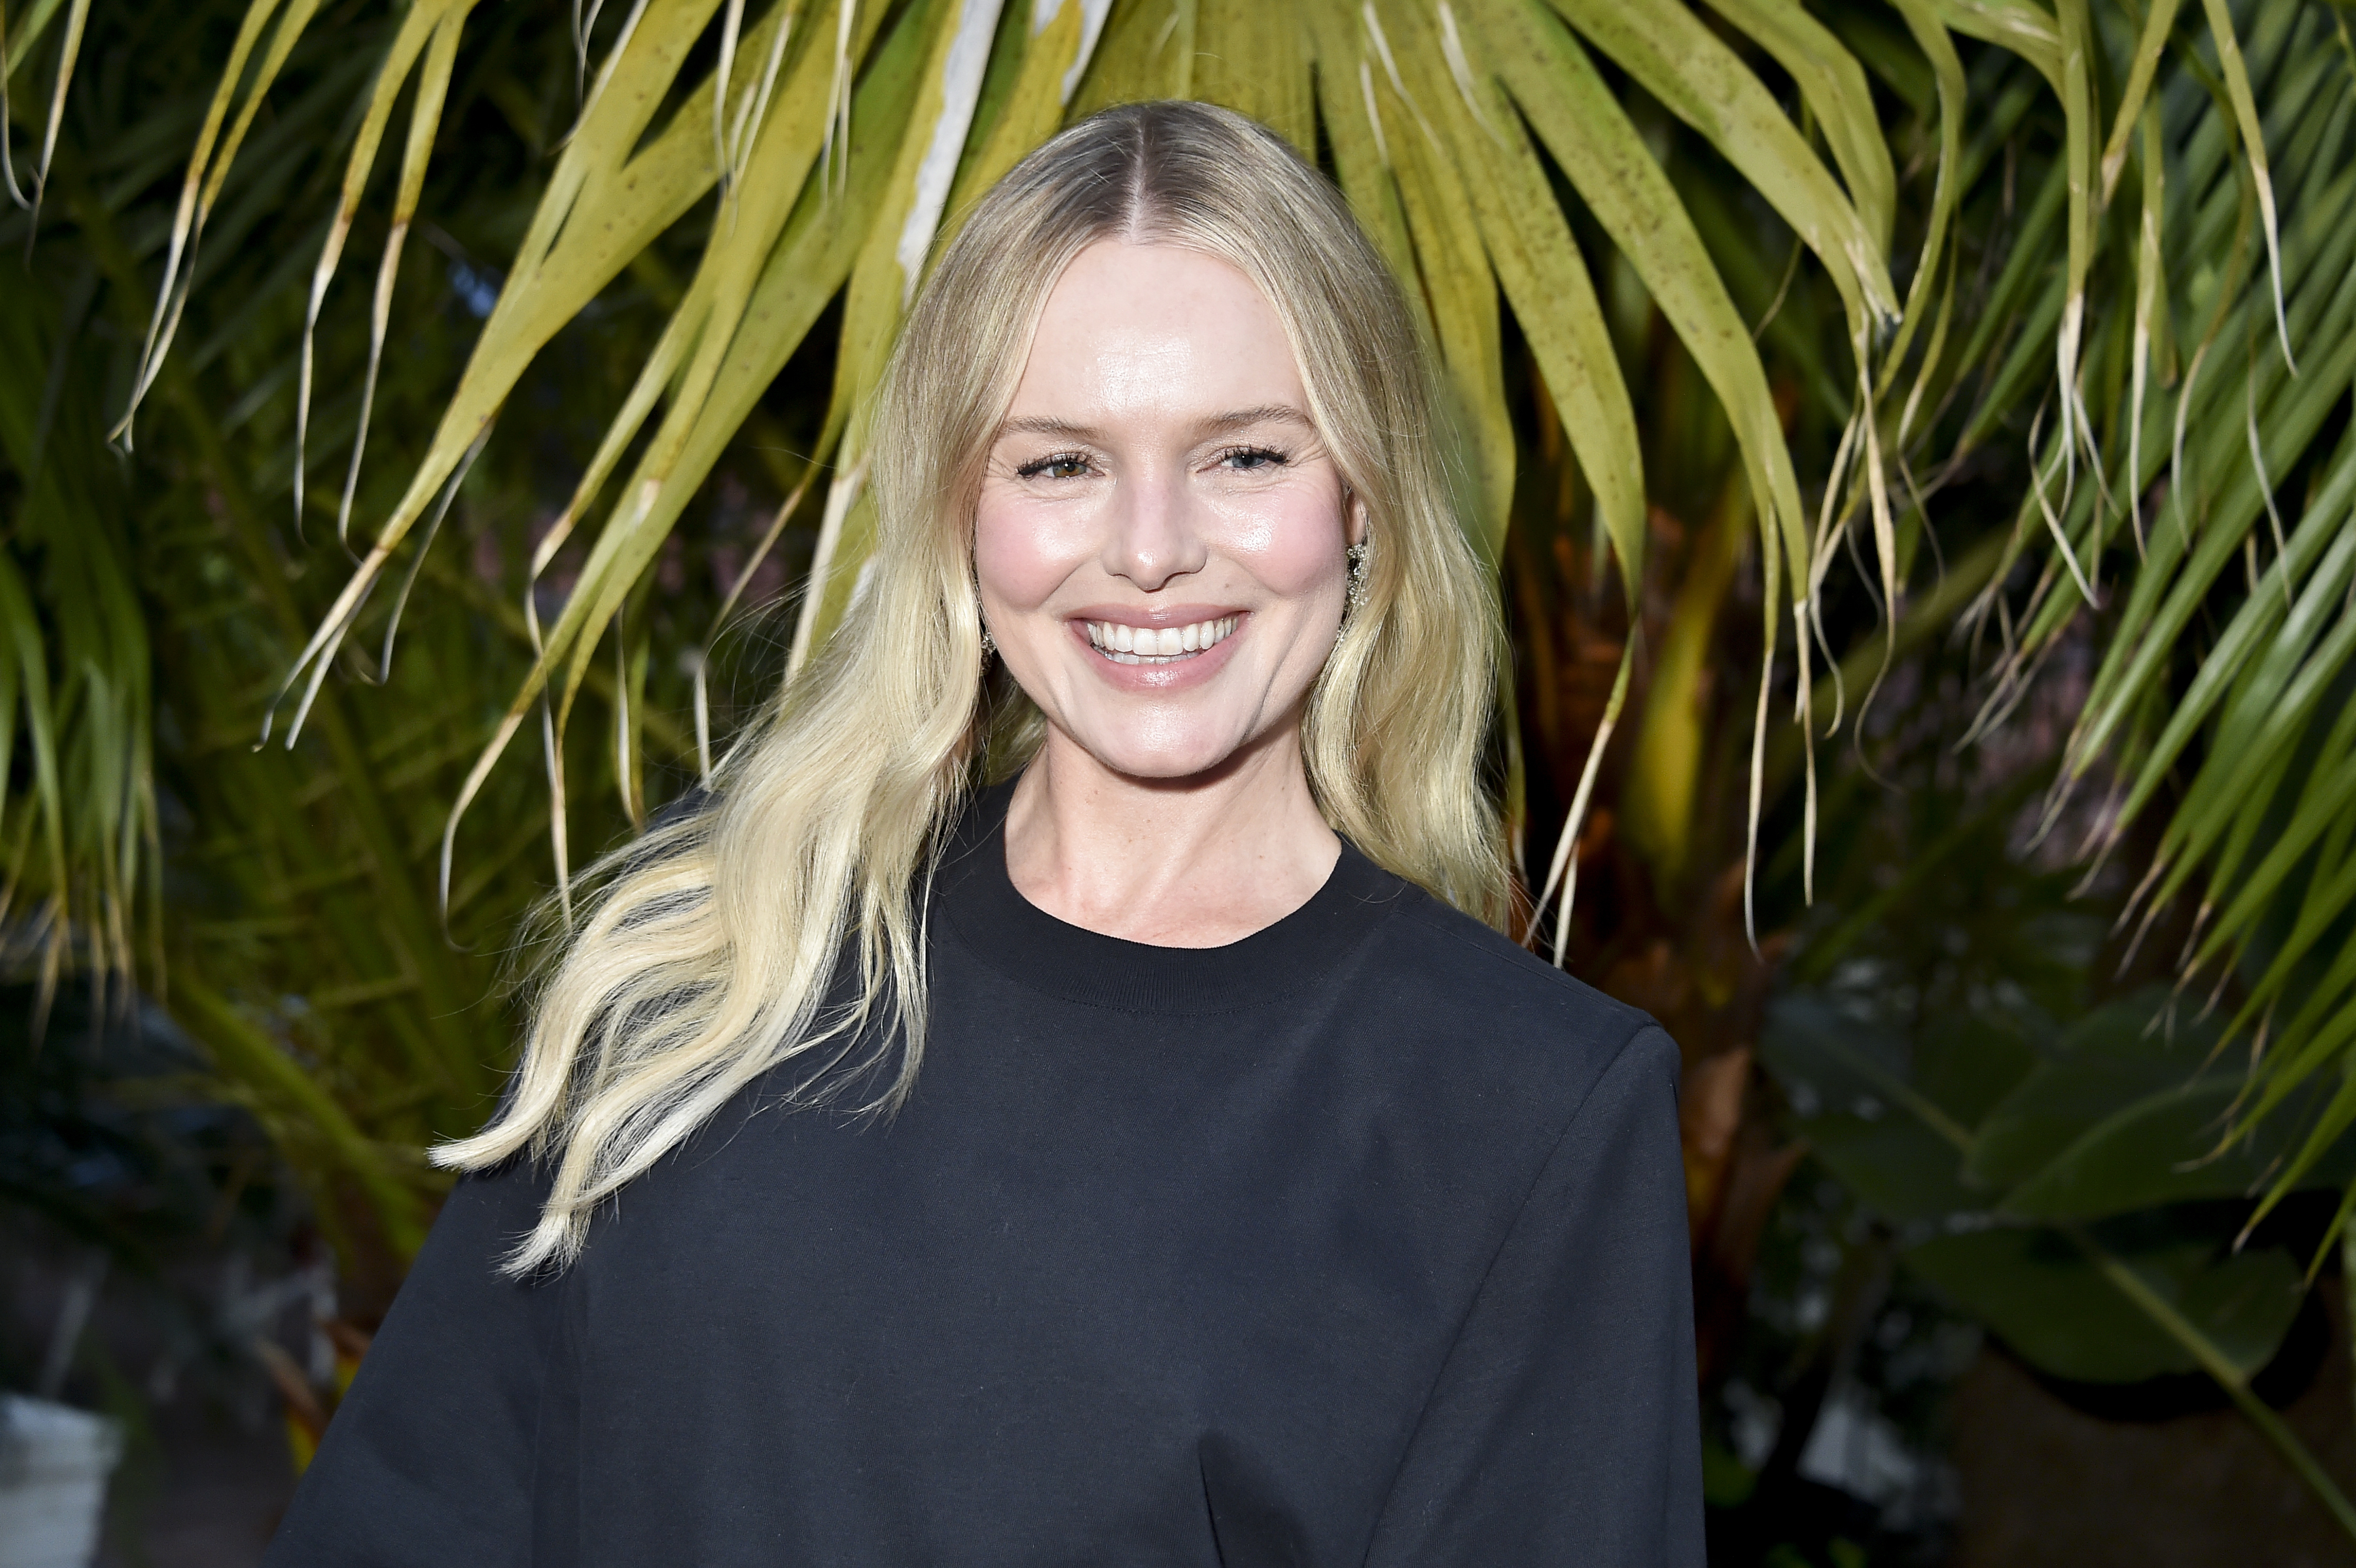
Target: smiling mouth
x=1163, y=645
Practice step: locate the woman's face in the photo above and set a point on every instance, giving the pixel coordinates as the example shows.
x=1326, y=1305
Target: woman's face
x=1160, y=536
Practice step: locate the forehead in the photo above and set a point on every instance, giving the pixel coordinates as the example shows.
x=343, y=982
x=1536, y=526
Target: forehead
x=1137, y=328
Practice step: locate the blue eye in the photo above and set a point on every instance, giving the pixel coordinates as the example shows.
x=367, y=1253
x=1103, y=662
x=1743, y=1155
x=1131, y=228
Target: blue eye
x=1251, y=459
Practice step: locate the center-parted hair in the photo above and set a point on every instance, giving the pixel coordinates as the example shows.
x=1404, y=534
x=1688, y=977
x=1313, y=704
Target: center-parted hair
x=704, y=956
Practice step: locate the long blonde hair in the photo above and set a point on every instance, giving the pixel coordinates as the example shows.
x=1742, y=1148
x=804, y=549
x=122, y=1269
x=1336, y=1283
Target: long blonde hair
x=706, y=958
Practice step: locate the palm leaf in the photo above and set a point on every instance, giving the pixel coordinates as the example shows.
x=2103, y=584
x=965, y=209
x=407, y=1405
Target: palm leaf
x=2132, y=339
x=1425, y=127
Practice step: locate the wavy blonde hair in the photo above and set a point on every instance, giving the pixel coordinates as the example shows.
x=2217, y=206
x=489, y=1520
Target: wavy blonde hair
x=706, y=957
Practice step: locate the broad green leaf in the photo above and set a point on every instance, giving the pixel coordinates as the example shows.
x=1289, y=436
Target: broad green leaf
x=2164, y=1148
x=2054, y=1305
x=1852, y=1086
x=2131, y=1114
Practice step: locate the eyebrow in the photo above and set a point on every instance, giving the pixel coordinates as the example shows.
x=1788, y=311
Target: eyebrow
x=1267, y=412
x=1234, y=419
x=1039, y=425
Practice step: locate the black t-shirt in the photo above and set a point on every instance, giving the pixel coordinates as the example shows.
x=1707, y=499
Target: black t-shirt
x=1360, y=1240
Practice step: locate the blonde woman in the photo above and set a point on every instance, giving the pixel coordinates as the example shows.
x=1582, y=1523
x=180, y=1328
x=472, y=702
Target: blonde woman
x=1156, y=1159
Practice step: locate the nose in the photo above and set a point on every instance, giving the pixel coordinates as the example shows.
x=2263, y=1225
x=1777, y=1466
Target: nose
x=1154, y=537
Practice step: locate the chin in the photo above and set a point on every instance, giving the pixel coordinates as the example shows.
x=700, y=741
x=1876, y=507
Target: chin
x=1160, y=761
x=1160, y=769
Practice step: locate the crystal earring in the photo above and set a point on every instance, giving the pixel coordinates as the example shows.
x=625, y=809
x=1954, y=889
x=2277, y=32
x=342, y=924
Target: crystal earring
x=1355, y=594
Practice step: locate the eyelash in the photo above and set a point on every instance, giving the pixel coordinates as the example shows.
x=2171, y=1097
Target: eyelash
x=1039, y=466
x=1274, y=457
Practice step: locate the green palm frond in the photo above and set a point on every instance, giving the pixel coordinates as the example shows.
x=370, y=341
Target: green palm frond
x=866, y=127
x=2100, y=245
x=2209, y=466
x=1471, y=139
x=149, y=603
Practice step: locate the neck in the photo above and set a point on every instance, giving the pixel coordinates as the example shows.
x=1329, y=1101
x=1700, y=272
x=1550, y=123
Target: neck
x=1183, y=863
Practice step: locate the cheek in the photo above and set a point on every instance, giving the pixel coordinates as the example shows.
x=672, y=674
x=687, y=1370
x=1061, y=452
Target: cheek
x=1023, y=552
x=1291, y=543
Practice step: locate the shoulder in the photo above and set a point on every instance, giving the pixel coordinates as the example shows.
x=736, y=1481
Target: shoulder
x=1492, y=1010
x=1455, y=954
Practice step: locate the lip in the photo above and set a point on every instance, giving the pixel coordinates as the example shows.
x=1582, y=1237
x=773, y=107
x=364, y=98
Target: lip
x=1157, y=680
x=1158, y=617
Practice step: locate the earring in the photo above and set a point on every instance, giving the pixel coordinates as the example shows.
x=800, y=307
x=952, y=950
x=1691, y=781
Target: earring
x=1355, y=594
x=988, y=645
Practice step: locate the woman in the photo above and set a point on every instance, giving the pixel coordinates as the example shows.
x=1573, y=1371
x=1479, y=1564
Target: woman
x=1153, y=1161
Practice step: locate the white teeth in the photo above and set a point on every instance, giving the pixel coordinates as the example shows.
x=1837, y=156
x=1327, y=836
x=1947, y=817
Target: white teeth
x=1126, y=644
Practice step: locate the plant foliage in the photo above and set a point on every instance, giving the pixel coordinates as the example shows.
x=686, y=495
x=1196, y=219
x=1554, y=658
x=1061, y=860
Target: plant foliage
x=2039, y=312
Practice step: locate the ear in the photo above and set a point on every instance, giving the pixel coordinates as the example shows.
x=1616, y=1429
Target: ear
x=1355, y=526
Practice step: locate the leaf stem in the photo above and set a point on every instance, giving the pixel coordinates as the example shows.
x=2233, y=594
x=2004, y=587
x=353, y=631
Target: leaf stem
x=2162, y=1312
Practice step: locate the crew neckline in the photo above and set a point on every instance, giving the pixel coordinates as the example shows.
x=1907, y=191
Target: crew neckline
x=975, y=898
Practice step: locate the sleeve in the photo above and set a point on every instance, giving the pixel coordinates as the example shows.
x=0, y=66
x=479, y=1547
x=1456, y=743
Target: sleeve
x=1565, y=1424
x=428, y=1459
